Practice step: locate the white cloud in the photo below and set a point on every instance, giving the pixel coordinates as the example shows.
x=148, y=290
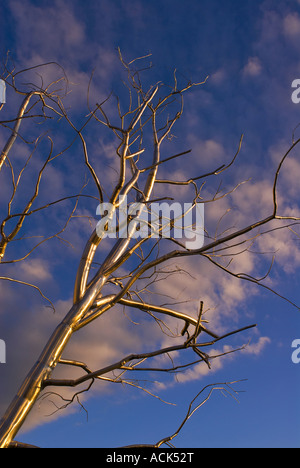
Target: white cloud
x=218, y=77
x=43, y=29
x=291, y=25
x=257, y=348
x=253, y=67
x=201, y=370
x=206, y=152
x=35, y=270
x=252, y=200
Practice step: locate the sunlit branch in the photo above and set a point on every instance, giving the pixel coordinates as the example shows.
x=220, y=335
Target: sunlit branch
x=224, y=387
x=7, y=148
x=123, y=363
x=251, y=279
x=6, y=278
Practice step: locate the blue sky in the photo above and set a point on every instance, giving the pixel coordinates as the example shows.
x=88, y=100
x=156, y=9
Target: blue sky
x=250, y=50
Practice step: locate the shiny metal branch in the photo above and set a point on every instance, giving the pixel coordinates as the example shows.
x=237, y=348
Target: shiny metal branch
x=32, y=386
x=15, y=132
x=84, y=295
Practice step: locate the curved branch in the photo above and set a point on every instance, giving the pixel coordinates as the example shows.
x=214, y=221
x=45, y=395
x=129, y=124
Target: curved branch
x=15, y=132
x=122, y=364
x=142, y=306
x=224, y=387
x=6, y=278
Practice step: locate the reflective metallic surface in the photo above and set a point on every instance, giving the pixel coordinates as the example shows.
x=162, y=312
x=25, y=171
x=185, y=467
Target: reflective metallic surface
x=86, y=296
x=89, y=301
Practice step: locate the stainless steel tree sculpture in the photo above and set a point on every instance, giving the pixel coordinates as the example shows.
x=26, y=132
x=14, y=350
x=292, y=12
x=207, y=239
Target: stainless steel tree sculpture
x=148, y=121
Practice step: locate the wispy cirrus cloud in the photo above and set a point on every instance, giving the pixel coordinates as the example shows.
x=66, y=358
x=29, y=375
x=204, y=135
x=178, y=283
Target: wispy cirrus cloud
x=43, y=30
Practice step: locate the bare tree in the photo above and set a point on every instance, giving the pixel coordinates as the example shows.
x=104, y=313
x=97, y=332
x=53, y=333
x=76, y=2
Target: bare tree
x=134, y=262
